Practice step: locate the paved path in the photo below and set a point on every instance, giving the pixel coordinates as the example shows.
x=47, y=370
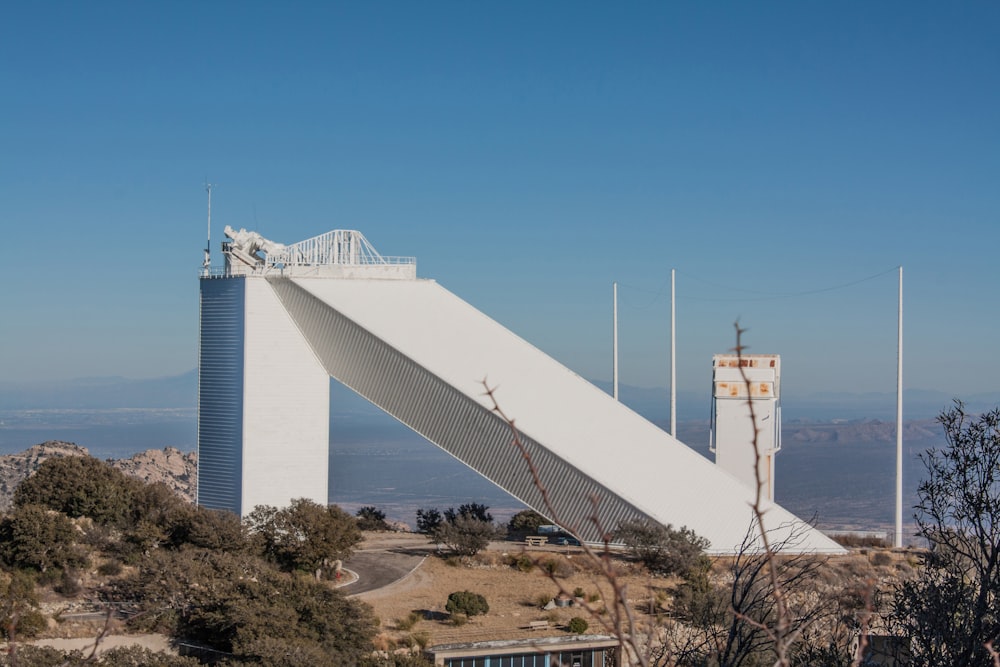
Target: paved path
x=377, y=568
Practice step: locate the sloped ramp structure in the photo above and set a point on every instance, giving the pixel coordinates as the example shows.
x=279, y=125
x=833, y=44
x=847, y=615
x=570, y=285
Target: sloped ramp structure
x=425, y=357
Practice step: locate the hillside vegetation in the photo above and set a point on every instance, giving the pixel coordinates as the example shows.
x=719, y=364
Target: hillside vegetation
x=81, y=535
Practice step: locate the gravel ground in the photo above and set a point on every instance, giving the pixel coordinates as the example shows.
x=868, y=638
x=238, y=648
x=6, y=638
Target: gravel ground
x=513, y=595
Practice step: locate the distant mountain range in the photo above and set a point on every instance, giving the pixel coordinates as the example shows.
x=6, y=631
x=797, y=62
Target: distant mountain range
x=180, y=391
x=99, y=393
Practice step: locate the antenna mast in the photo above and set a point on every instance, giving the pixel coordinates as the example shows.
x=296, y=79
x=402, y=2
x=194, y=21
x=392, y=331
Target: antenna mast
x=207, y=264
x=614, y=344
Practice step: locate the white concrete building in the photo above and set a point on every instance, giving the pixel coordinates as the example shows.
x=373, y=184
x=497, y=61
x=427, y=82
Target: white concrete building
x=275, y=327
x=740, y=382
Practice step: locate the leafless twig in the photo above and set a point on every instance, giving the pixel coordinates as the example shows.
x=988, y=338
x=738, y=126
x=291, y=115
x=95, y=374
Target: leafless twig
x=621, y=622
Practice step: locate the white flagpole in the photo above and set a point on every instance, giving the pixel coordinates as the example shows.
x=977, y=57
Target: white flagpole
x=673, y=358
x=899, y=420
x=615, y=342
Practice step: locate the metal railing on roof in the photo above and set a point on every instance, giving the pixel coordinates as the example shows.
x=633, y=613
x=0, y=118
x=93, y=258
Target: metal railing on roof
x=337, y=247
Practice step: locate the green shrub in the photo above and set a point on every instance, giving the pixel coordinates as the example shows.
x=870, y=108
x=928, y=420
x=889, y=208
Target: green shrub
x=525, y=522
x=577, y=625
x=663, y=549
x=467, y=602
x=524, y=563
x=372, y=518
x=31, y=624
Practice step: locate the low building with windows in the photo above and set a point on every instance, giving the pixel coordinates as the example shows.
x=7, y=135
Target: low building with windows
x=568, y=651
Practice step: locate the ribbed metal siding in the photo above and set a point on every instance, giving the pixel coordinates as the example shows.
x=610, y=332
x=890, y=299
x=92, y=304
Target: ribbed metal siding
x=220, y=393
x=449, y=418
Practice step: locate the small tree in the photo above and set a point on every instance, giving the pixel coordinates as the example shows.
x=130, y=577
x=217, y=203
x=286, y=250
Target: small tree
x=81, y=486
x=466, y=536
x=465, y=531
x=34, y=537
x=952, y=609
x=372, y=518
x=468, y=603
x=428, y=520
x=663, y=549
x=18, y=604
x=577, y=625
x=476, y=511
x=525, y=522
x=731, y=625
x=305, y=535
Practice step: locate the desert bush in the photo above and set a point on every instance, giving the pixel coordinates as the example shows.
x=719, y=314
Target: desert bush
x=664, y=549
x=69, y=583
x=558, y=568
x=428, y=520
x=522, y=562
x=881, y=558
x=853, y=540
x=110, y=568
x=465, y=534
x=577, y=625
x=305, y=535
x=476, y=511
x=35, y=537
x=241, y=604
x=406, y=624
x=372, y=518
x=950, y=611
x=525, y=522
x=466, y=602
x=81, y=486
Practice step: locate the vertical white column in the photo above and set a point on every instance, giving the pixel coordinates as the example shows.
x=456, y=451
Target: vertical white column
x=614, y=343
x=286, y=407
x=673, y=358
x=899, y=419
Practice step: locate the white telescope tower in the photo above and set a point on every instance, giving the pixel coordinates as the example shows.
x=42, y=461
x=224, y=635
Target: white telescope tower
x=739, y=381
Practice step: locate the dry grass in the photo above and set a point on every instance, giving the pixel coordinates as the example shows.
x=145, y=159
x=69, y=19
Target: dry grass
x=515, y=595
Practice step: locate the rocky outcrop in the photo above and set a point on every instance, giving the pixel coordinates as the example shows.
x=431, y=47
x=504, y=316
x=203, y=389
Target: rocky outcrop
x=177, y=469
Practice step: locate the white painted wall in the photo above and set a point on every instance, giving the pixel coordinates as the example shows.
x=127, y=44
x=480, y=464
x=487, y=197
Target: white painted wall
x=557, y=408
x=286, y=407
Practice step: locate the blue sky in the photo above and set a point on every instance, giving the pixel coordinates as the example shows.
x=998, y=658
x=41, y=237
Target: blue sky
x=528, y=154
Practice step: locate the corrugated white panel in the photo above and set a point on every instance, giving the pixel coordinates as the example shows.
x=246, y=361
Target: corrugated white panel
x=421, y=353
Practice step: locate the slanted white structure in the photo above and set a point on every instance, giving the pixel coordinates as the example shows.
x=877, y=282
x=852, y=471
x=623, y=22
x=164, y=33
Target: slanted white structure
x=274, y=328
x=739, y=382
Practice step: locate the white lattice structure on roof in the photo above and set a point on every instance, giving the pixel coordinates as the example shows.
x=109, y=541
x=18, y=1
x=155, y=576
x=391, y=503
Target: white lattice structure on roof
x=338, y=253
x=340, y=246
